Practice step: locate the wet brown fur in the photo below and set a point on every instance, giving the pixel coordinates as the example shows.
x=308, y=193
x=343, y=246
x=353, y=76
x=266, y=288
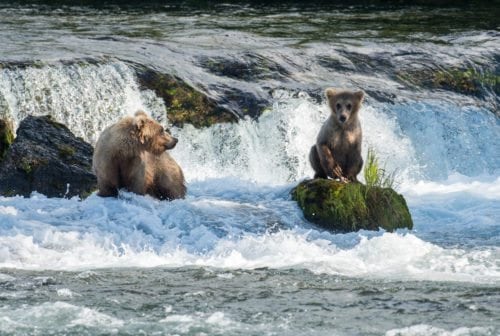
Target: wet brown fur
x=337, y=152
x=131, y=154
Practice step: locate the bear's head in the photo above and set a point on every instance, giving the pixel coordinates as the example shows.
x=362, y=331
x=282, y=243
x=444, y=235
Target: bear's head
x=344, y=104
x=152, y=135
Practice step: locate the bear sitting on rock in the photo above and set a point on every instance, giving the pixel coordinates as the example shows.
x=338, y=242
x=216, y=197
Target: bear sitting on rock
x=337, y=152
x=131, y=154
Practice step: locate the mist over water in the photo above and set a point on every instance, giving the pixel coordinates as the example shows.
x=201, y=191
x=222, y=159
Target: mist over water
x=236, y=256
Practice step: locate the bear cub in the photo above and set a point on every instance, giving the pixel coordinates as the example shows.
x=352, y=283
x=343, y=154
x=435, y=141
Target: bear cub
x=337, y=152
x=131, y=154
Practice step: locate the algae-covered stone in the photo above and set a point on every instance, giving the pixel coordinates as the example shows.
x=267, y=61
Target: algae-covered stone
x=467, y=81
x=184, y=103
x=6, y=136
x=349, y=207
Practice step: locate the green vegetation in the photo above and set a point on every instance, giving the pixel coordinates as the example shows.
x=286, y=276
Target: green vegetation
x=346, y=207
x=375, y=176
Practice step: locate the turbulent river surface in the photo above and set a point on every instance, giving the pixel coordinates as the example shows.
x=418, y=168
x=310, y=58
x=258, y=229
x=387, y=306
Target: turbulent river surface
x=236, y=257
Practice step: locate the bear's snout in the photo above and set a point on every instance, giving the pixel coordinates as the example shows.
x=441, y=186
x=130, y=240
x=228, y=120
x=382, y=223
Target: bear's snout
x=342, y=118
x=171, y=144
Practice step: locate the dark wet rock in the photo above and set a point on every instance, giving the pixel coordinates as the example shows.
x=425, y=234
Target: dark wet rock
x=336, y=63
x=46, y=157
x=243, y=103
x=184, y=103
x=346, y=207
x=381, y=96
x=368, y=64
x=6, y=136
x=248, y=67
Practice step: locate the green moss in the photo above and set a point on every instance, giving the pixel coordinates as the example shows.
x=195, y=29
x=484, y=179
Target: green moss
x=184, y=103
x=65, y=151
x=6, y=137
x=30, y=165
x=348, y=207
x=54, y=123
x=463, y=80
x=26, y=166
x=84, y=194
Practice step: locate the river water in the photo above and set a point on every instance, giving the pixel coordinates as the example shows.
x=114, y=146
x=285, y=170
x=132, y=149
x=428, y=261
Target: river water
x=236, y=257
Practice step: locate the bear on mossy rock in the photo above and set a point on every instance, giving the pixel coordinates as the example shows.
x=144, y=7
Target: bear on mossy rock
x=131, y=154
x=342, y=203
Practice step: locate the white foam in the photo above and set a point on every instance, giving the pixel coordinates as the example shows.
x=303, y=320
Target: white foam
x=65, y=292
x=43, y=316
x=8, y=210
x=141, y=232
x=487, y=187
x=428, y=330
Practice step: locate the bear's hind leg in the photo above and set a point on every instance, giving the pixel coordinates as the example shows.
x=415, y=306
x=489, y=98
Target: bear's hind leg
x=107, y=190
x=316, y=164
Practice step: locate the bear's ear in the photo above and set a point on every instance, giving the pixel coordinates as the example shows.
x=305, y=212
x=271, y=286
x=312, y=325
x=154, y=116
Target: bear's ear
x=140, y=113
x=359, y=96
x=139, y=122
x=330, y=93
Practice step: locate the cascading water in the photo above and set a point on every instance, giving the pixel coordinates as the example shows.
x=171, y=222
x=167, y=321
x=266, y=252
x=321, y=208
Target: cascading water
x=86, y=97
x=238, y=247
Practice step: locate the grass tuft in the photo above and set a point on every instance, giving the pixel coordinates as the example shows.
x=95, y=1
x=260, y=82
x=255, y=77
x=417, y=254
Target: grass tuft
x=375, y=176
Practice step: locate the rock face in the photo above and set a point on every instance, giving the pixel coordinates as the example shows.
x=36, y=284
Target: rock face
x=350, y=207
x=46, y=157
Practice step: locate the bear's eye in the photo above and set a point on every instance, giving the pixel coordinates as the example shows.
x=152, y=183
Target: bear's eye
x=338, y=106
x=349, y=106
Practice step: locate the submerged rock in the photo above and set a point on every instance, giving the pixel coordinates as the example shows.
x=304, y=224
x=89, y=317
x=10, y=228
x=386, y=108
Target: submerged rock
x=347, y=207
x=46, y=157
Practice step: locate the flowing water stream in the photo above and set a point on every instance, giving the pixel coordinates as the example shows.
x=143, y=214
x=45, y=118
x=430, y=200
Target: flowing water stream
x=236, y=257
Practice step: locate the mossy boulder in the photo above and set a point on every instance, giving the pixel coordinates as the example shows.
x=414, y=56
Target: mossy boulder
x=346, y=207
x=6, y=136
x=184, y=103
x=189, y=105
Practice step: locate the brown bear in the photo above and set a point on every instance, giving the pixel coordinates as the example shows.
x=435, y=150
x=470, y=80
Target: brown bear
x=131, y=154
x=337, y=152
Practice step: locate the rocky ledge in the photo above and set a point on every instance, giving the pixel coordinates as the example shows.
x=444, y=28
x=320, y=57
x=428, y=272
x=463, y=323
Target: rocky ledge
x=46, y=157
x=347, y=207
